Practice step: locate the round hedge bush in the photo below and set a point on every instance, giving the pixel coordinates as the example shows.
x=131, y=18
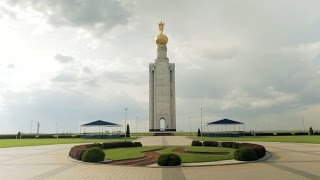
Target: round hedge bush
x=245, y=154
x=169, y=160
x=93, y=154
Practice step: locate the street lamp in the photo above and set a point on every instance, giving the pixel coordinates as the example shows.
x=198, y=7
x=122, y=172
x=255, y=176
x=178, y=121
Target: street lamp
x=201, y=123
x=189, y=127
x=31, y=125
x=125, y=124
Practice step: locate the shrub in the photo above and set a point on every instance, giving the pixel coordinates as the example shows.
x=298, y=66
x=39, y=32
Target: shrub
x=169, y=160
x=310, y=131
x=226, y=144
x=235, y=145
x=46, y=136
x=199, y=133
x=211, y=143
x=137, y=144
x=260, y=150
x=196, y=143
x=93, y=154
x=284, y=134
x=19, y=135
x=301, y=133
x=245, y=154
x=120, y=144
x=76, y=152
x=128, y=131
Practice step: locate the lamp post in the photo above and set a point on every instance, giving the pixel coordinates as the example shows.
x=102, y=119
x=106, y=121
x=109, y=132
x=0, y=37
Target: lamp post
x=201, y=123
x=125, y=124
x=189, y=127
x=137, y=126
x=31, y=125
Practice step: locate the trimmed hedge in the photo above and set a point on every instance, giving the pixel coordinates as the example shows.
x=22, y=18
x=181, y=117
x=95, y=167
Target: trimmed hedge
x=226, y=144
x=245, y=154
x=235, y=145
x=93, y=154
x=137, y=144
x=111, y=145
x=260, y=150
x=196, y=143
x=169, y=160
x=211, y=143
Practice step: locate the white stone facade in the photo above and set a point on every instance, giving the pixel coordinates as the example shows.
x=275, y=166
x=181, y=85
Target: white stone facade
x=162, y=92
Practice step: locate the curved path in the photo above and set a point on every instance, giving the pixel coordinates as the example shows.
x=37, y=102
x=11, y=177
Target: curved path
x=289, y=161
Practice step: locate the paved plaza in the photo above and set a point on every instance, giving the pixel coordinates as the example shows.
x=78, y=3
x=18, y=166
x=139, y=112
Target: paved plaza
x=289, y=161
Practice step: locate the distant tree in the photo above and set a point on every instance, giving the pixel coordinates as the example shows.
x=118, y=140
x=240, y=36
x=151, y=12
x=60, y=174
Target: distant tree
x=128, y=131
x=199, y=132
x=310, y=131
x=19, y=135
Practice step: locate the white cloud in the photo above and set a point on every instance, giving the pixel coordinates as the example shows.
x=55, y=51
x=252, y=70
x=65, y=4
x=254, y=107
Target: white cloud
x=63, y=59
x=97, y=16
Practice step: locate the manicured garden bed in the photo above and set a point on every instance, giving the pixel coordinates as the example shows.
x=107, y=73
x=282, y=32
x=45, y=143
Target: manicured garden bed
x=128, y=153
x=193, y=157
x=133, y=153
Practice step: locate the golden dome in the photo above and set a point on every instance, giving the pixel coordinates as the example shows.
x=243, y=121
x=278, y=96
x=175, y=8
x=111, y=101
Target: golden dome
x=161, y=38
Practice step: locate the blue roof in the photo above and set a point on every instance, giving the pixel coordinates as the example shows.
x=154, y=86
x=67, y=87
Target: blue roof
x=224, y=122
x=101, y=123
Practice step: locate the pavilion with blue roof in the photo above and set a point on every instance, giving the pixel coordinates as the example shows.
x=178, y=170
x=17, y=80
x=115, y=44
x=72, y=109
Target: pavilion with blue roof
x=99, y=126
x=224, y=128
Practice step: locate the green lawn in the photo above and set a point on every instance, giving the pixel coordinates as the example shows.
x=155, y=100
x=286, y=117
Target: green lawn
x=4, y=143
x=128, y=153
x=295, y=139
x=187, y=158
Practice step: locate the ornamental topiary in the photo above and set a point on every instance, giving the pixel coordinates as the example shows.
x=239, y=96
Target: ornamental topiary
x=196, y=143
x=245, y=154
x=235, y=145
x=211, y=143
x=93, y=154
x=310, y=131
x=169, y=160
x=76, y=152
x=199, y=133
x=260, y=150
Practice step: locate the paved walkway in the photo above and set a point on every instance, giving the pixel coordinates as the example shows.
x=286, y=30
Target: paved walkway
x=289, y=161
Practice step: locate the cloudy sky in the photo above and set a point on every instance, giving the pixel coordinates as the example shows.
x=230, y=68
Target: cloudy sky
x=70, y=62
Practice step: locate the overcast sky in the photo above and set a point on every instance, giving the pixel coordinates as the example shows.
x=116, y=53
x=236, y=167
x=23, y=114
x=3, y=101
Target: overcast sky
x=75, y=61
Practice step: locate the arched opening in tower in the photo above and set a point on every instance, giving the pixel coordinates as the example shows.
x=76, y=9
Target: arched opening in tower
x=162, y=124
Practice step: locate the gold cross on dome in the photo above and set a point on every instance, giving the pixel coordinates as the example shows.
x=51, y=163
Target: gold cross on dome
x=161, y=26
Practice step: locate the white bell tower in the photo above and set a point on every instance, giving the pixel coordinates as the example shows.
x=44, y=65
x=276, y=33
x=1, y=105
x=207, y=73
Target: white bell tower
x=162, y=104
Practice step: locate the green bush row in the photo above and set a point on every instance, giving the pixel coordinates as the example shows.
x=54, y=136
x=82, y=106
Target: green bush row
x=234, y=145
